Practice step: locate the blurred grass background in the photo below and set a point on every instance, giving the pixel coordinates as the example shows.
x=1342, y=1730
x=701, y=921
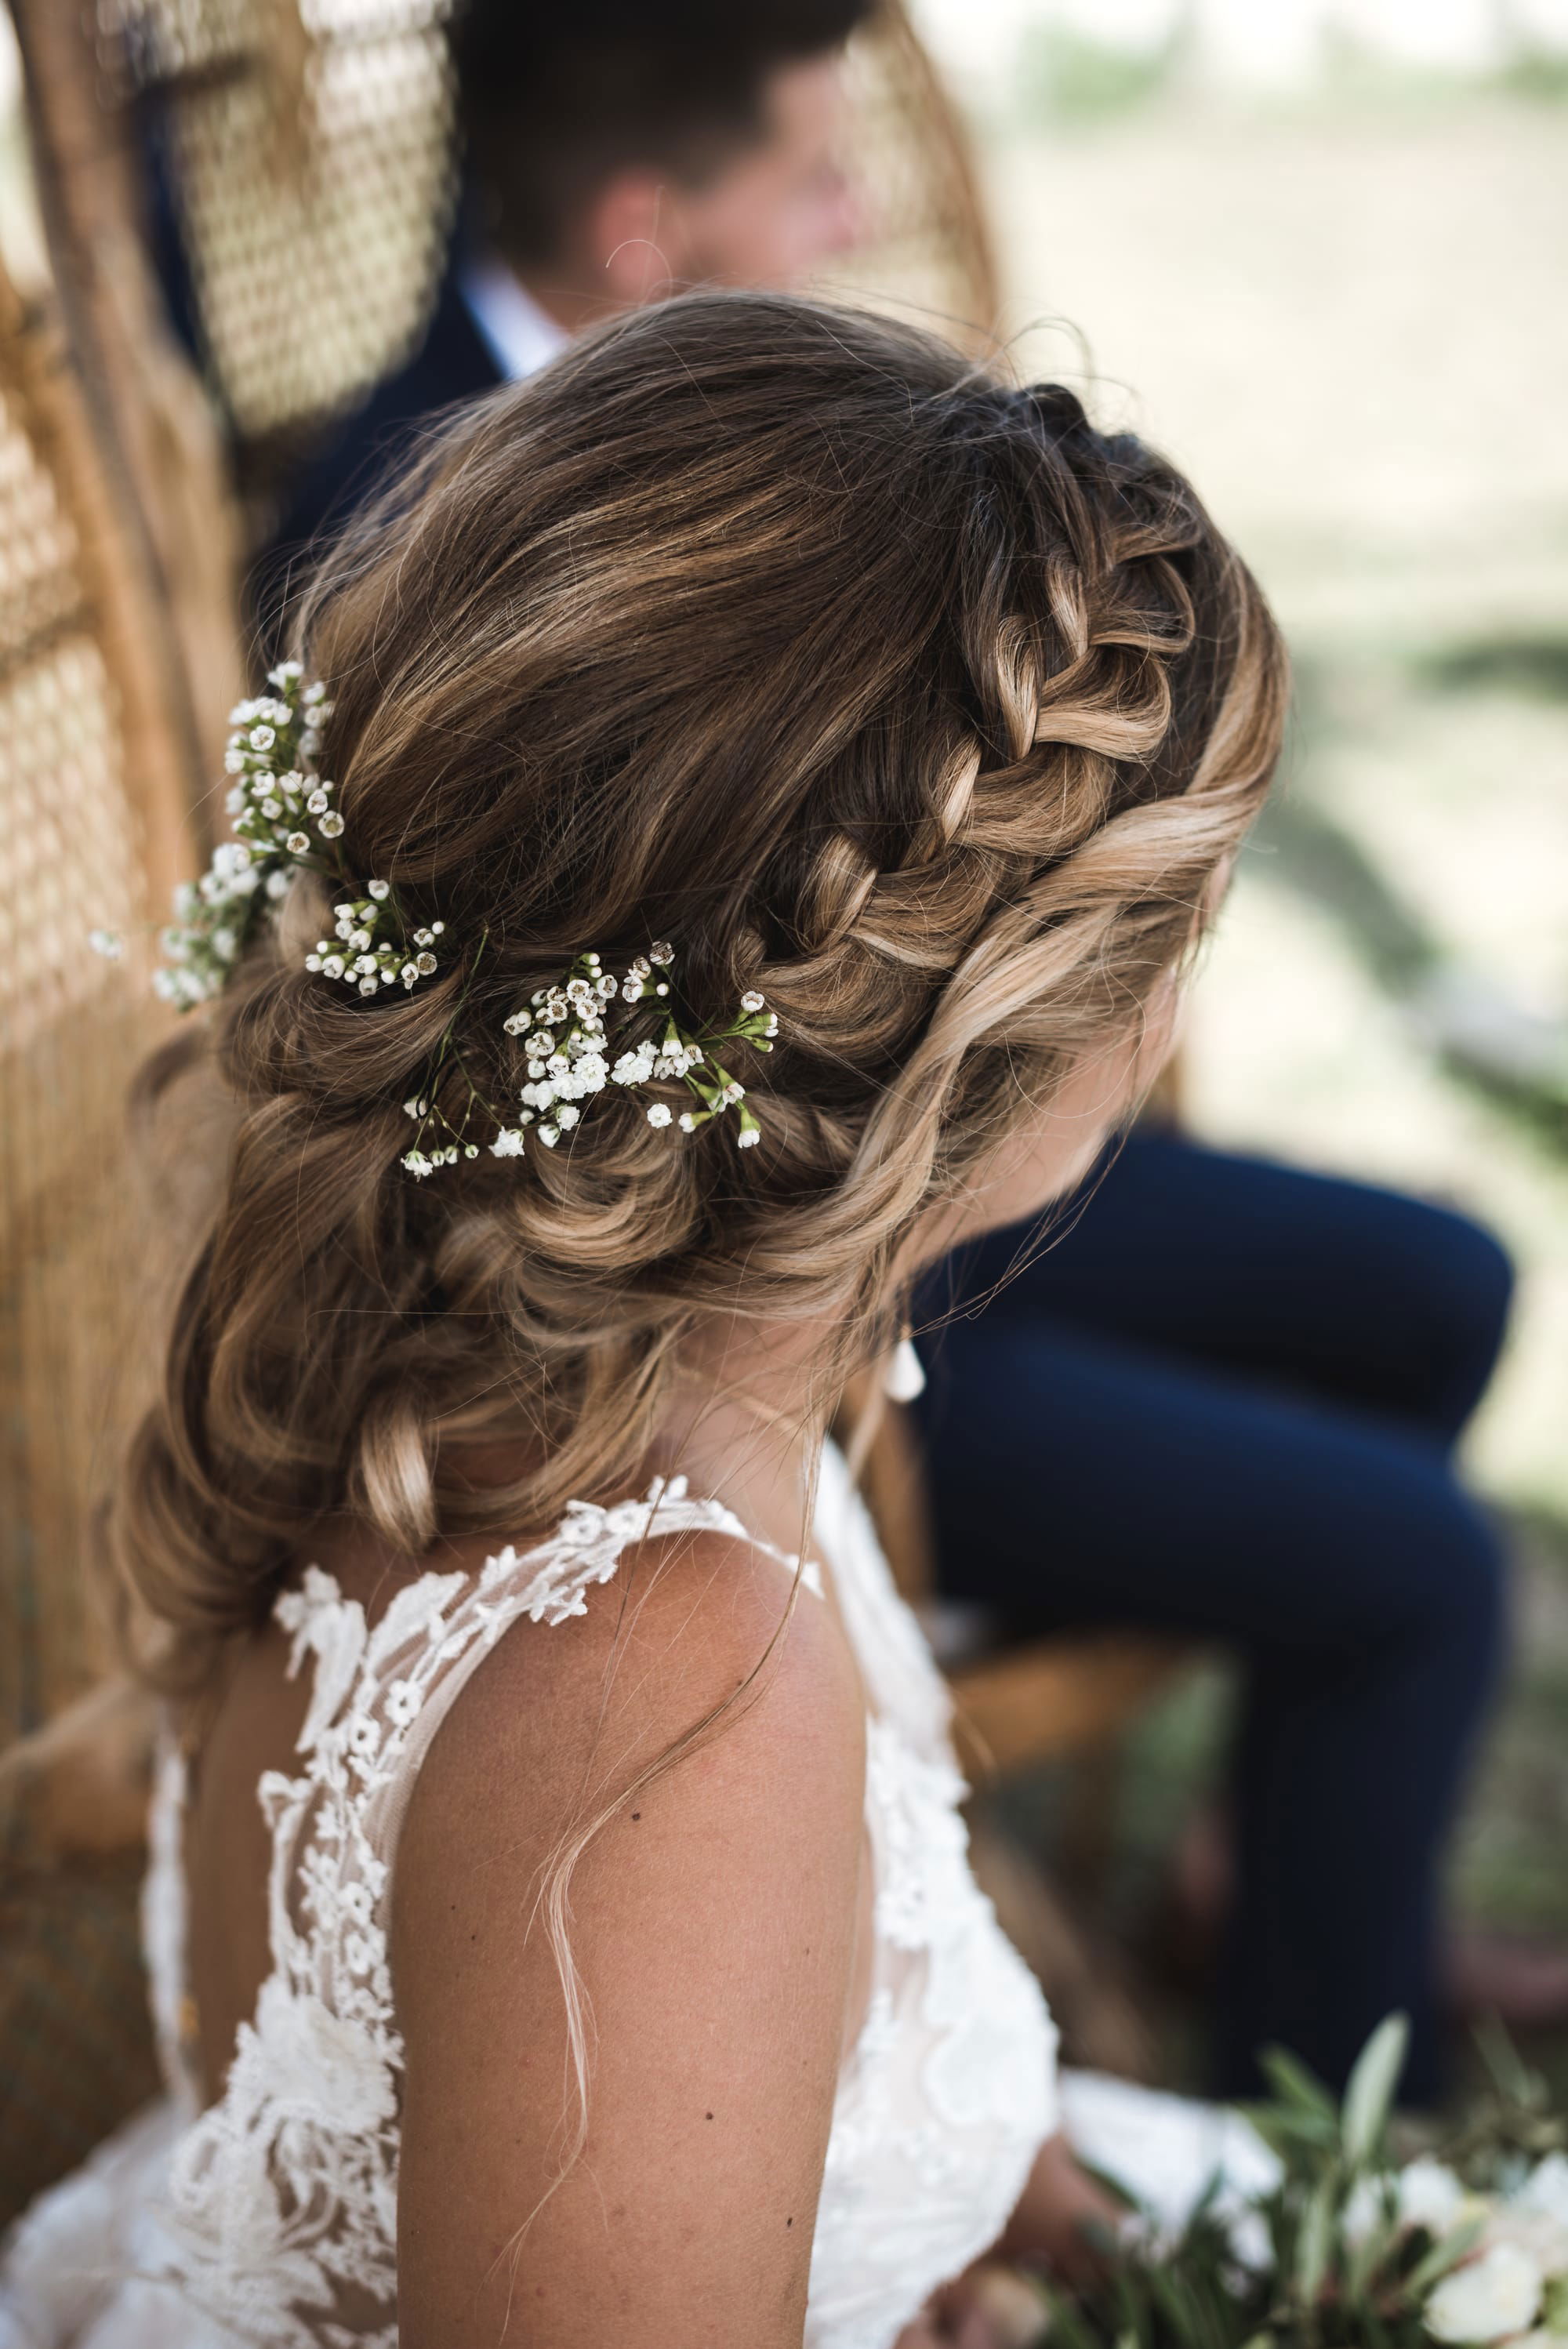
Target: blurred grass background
x=1337, y=293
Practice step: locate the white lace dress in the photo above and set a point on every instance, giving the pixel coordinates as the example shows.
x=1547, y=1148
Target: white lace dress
x=270, y=2219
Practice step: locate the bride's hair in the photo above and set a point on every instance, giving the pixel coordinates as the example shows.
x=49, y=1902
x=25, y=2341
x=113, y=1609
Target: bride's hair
x=869, y=680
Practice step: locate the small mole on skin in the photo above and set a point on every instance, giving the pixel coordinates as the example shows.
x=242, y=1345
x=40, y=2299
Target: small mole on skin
x=636, y=1815
x=708, y=2116
x=789, y=2222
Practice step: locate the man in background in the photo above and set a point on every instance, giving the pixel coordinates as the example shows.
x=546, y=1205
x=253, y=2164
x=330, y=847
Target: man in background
x=615, y=151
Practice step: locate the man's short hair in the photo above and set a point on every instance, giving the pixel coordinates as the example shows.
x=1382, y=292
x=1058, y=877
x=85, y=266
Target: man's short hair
x=555, y=96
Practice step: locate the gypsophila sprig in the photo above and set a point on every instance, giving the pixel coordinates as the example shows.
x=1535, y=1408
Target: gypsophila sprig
x=589, y=1031
x=285, y=820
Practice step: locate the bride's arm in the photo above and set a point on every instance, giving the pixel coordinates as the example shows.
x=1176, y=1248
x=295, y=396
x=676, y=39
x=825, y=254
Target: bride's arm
x=712, y=1920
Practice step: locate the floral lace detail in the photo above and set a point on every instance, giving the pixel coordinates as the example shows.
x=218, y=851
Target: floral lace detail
x=279, y=2202
x=950, y=2091
x=282, y=2197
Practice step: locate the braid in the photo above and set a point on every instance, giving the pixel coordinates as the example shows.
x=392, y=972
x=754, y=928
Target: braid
x=900, y=695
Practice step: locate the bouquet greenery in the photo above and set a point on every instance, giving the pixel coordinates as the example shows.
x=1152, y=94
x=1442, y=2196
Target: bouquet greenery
x=1367, y=2240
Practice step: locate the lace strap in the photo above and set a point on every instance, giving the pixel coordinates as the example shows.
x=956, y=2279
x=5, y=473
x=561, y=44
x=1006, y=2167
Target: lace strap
x=380, y=1696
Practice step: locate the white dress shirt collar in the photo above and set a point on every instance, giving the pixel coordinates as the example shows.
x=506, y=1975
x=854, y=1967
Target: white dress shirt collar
x=518, y=334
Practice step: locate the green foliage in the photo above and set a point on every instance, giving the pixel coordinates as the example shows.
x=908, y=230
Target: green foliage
x=1341, y=2269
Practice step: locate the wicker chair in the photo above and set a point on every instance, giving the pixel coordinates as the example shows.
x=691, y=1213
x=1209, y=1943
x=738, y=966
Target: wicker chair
x=114, y=589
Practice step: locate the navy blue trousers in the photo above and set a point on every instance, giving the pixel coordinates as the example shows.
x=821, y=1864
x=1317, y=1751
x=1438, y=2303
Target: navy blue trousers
x=1223, y=1404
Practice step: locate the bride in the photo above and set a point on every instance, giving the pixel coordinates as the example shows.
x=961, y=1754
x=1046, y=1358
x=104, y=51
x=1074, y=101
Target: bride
x=768, y=780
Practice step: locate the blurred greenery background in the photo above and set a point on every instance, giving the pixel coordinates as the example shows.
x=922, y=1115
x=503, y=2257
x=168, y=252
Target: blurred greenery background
x=1321, y=255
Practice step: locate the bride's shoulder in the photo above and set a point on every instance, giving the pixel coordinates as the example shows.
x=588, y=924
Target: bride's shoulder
x=632, y=1860
x=702, y=1658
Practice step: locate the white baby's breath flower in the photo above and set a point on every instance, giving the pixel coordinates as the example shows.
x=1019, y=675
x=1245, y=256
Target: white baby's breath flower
x=262, y=737
x=330, y=825
x=566, y=1116
x=418, y=1164
x=659, y=1113
x=108, y=943
x=1487, y=2299
x=752, y=1001
x=508, y=1142
x=379, y=890
x=550, y=1135
x=298, y=843
x=748, y=1138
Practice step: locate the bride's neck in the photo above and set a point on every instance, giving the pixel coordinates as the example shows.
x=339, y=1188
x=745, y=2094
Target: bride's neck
x=747, y=1417
x=743, y=1420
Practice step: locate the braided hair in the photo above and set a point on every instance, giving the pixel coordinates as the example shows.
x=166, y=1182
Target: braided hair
x=876, y=684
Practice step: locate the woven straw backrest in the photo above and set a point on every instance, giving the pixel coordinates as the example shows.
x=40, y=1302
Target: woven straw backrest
x=116, y=653
x=78, y=845
x=118, y=659
x=310, y=155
